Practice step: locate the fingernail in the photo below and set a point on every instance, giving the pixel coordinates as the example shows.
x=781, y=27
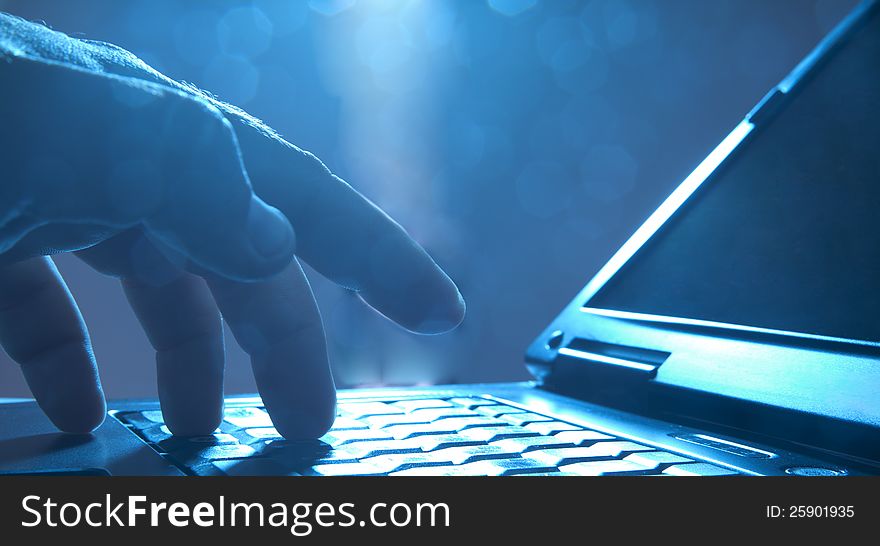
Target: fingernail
x=443, y=318
x=269, y=232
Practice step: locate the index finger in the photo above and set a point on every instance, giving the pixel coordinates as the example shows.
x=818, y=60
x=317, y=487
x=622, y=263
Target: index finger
x=349, y=239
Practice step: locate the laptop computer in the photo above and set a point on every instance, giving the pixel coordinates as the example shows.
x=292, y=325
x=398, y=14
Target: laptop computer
x=734, y=333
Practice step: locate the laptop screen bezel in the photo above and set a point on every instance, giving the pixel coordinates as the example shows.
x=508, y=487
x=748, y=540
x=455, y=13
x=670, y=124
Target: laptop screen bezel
x=701, y=176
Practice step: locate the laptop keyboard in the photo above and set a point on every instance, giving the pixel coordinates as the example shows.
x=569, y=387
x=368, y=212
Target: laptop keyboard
x=464, y=436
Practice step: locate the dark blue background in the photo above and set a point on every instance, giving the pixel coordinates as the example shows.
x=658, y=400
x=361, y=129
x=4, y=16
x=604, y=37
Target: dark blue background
x=521, y=142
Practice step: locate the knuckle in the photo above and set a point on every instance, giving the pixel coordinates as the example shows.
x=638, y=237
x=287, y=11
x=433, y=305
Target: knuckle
x=200, y=148
x=202, y=167
x=196, y=125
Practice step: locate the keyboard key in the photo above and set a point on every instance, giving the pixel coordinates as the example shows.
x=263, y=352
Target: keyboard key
x=229, y=428
x=530, y=443
x=435, y=414
x=580, y=437
x=218, y=438
x=402, y=432
x=467, y=454
x=183, y=442
x=153, y=415
x=435, y=471
x=253, y=467
x=204, y=469
x=501, y=467
x=657, y=458
x=431, y=442
x=471, y=403
x=443, y=426
x=605, y=468
x=557, y=473
x=231, y=451
x=381, y=421
x=492, y=434
x=265, y=433
x=155, y=434
x=332, y=457
x=347, y=423
x=135, y=419
x=466, y=422
x=442, y=457
x=524, y=418
x=550, y=428
x=416, y=444
x=192, y=457
x=370, y=448
x=699, y=469
x=497, y=409
x=601, y=450
x=297, y=449
x=399, y=461
x=340, y=437
x=247, y=417
x=413, y=405
x=345, y=469
x=358, y=410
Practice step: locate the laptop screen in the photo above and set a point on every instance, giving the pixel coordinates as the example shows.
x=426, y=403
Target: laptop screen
x=786, y=235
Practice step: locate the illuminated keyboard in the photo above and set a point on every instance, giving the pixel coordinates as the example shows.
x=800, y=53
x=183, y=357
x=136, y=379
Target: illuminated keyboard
x=466, y=436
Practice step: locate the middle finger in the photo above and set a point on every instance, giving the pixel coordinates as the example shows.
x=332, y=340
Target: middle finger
x=277, y=323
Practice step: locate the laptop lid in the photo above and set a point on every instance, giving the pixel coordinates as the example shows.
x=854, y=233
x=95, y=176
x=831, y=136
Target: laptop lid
x=756, y=284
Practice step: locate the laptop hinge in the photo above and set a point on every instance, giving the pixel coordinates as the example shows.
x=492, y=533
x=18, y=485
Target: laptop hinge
x=589, y=357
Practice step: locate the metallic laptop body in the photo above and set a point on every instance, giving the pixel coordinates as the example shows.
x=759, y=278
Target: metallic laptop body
x=673, y=360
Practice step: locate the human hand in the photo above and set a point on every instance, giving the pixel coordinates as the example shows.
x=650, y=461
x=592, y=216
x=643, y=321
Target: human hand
x=193, y=204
